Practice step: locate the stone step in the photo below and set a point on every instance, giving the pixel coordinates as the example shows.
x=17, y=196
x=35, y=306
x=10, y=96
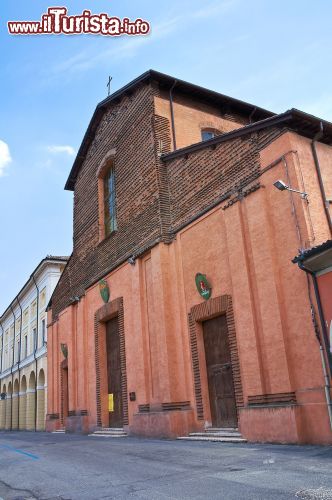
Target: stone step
x=221, y=429
x=59, y=431
x=108, y=435
x=109, y=432
x=112, y=429
x=213, y=439
x=216, y=434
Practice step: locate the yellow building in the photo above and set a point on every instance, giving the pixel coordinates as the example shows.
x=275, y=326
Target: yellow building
x=23, y=350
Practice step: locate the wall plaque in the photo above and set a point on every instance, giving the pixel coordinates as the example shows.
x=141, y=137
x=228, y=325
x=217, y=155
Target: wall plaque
x=64, y=350
x=104, y=290
x=203, y=286
x=110, y=402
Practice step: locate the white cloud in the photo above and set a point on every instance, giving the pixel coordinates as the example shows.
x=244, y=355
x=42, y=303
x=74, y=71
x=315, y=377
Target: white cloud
x=124, y=48
x=128, y=47
x=69, y=150
x=5, y=157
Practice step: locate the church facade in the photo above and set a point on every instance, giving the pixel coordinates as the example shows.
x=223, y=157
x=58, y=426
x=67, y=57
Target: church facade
x=180, y=308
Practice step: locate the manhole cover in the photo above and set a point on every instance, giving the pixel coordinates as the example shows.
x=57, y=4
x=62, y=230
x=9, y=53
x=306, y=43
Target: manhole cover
x=319, y=494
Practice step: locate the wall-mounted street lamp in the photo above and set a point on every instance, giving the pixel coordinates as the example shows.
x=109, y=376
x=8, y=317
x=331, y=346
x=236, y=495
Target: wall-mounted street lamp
x=283, y=187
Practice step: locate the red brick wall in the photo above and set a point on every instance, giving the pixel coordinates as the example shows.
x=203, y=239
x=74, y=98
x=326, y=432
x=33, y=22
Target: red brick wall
x=126, y=126
x=200, y=180
x=144, y=184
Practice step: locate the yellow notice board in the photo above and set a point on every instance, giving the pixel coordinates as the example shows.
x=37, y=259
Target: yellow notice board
x=110, y=402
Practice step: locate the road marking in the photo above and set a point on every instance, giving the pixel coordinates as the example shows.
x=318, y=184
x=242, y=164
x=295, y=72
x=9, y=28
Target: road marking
x=34, y=457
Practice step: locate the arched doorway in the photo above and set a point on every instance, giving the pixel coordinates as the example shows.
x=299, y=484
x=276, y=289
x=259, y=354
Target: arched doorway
x=15, y=405
x=8, y=424
x=23, y=403
x=3, y=407
x=31, y=402
x=41, y=401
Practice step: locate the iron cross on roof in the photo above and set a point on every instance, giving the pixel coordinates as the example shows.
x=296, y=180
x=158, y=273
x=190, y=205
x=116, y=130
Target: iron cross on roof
x=109, y=84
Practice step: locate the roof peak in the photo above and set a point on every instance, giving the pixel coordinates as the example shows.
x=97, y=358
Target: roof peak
x=166, y=82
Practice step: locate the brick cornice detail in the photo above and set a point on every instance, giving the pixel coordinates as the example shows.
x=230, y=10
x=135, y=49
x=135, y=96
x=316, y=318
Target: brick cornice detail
x=109, y=310
x=105, y=163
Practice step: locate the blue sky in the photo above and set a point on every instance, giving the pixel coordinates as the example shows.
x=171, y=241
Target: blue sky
x=277, y=55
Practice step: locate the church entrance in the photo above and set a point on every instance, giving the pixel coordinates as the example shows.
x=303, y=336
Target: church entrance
x=219, y=373
x=65, y=391
x=114, y=374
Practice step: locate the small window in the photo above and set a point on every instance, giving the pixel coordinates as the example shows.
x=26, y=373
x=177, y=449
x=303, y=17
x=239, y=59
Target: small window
x=34, y=337
x=109, y=202
x=33, y=308
x=209, y=134
x=43, y=330
x=25, y=351
x=17, y=351
x=42, y=298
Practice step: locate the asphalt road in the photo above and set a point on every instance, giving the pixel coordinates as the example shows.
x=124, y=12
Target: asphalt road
x=58, y=466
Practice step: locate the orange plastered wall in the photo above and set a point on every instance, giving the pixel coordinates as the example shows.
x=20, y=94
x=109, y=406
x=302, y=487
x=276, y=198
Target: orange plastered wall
x=191, y=117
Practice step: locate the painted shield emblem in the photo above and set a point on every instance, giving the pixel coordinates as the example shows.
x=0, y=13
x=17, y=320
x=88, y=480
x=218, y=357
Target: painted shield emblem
x=104, y=290
x=203, y=286
x=64, y=350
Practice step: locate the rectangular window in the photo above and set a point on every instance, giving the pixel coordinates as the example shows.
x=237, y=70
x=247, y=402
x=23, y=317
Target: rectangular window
x=25, y=351
x=34, y=338
x=11, y=353
x=26, y=316
x=109, y=202
x=33, y=309
x=43, y=330
x=42, y=298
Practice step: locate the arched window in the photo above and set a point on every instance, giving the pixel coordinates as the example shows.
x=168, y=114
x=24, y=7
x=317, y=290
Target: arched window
x=209, y=133
x=109, y=201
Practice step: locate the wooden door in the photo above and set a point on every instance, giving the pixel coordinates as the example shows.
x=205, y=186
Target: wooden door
x=114, y=372
x=219, y=372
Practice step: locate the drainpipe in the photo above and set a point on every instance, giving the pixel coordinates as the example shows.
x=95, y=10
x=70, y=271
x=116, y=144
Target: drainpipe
x=35, y=349
x=11, y=370
x=19, y=363
x=325, y=342
x=316, y=138
x=252, y=114
x=172, y=113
